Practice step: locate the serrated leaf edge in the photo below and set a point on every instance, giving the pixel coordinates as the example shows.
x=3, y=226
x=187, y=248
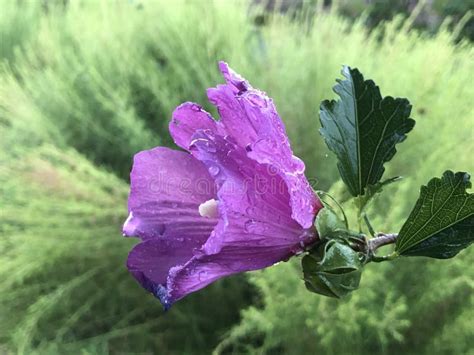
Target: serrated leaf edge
x=400, y=247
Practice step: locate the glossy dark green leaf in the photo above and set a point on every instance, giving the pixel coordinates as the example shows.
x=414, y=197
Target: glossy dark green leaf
x=362, y=129
x=442, y=221
x=333, y=269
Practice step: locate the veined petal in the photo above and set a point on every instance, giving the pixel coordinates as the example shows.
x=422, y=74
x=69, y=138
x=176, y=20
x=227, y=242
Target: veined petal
x=255, y=228
x=187, y=119
x=150, y=262
x=250, y=117
x=167, y=187
x=264, y=205
x=234, y=79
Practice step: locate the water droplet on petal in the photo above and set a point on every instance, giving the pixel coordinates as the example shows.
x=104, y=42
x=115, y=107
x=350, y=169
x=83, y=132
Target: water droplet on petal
x=209, y=133
x=249, y=225
x=257, y=100
x=211, y=148
x=298, y=165
x=202, y=275
x=214, y=170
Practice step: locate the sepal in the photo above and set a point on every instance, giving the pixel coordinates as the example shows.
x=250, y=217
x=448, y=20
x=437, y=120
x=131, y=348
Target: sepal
x=332, y=269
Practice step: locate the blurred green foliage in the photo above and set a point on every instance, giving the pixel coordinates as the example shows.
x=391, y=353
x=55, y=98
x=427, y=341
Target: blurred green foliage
x=85, y=85
x=430, y=15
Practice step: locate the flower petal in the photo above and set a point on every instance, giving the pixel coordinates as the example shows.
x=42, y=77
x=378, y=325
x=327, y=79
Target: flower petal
x=250, y=117
x=167, y=187
x=187, y=119
x=233, y=79
x=255, y=228
x=150, y=262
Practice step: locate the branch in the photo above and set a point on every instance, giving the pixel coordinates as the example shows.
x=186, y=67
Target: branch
x=382, y=239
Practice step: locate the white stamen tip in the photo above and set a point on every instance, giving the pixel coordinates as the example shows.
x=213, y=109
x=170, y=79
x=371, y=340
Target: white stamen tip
x=208, y=209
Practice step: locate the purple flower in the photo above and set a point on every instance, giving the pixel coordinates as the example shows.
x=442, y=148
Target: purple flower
x=237, y=200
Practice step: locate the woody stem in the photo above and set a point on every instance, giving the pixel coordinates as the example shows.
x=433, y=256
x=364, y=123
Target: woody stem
x=382, y=239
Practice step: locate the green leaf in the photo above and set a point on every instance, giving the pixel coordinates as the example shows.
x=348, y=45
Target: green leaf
x=332, y=270
x=362, y=129
x=327, y=223
x=442, y=221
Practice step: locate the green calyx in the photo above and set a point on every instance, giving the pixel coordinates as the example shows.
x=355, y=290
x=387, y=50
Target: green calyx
x=332, y=269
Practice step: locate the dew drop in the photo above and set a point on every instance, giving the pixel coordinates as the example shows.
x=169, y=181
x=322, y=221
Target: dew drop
x=214, y=170
x=257, y=100
x=211, y=148
x=298, y=165
x=249, y=225
x=202, y=275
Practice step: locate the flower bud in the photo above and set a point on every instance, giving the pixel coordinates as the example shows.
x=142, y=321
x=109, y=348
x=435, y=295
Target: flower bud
x=332, y=269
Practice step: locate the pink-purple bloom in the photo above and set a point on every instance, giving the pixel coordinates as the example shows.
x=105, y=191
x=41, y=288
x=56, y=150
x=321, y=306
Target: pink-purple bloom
x=235, y=200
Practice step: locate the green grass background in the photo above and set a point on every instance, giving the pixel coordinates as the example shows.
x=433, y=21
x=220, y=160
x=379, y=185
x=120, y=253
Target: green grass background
x=84, y=86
